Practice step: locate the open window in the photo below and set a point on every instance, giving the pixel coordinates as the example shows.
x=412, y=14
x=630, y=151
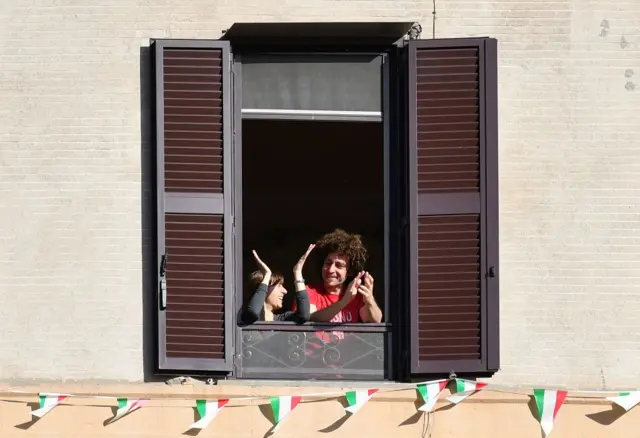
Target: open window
x=269, y=148
x=313, y=160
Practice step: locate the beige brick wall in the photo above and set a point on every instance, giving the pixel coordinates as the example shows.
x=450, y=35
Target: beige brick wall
x=71, y=196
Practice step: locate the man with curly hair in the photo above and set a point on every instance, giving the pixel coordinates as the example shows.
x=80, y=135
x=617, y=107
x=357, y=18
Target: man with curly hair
x=346, y=294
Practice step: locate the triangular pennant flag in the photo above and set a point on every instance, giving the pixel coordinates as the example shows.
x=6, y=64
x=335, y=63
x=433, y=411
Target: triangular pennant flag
x=464, y=388
x=126, y=406
x=357, y=399
x=429, y=393
x=47, y=402
x=626, y=400
x=207, y=409
x=282, y=407
x=548, y=403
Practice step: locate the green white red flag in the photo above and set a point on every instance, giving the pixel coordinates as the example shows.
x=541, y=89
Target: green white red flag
x=47, y=402
x=626, y=400
x=357, y=399
x=429, y=393
x=126, y=406
x=548, y=403
x=464, y=388
x=282, y=407
x=208, y=410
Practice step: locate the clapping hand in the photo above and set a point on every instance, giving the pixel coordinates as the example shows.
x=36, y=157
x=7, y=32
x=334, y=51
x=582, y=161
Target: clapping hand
x=352, y=289
x=366, y=288
x=262, y=265
x=297, y=269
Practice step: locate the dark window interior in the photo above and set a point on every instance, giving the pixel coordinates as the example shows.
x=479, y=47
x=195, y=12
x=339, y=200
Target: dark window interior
x=302, y=179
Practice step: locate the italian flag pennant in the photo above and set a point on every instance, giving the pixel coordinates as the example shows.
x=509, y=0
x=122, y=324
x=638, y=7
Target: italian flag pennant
x=429, y=393
x=282, y=407
x=47, y=402
x=126, y=406
x=548, y=403
x=207, y=409
x=357, y=399
x=464, y=388
x=626, y=400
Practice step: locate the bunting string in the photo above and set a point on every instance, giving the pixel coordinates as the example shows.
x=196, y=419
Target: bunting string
x=548, y=401
x=507, y=389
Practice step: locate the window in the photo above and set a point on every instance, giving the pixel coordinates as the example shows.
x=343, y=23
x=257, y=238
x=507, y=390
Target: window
x=432, y=226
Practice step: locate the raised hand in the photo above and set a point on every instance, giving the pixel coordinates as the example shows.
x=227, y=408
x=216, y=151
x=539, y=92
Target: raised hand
x=297, y=269
x=366, y=288
x=370, y=312
x=262, y=265
x=352, y=288
x=368, y=280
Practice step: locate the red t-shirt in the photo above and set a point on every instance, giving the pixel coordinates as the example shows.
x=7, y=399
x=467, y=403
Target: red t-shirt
x=319, y=298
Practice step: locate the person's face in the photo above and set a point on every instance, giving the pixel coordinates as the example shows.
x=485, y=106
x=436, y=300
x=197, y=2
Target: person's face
x=275, y=296
x=334, y=270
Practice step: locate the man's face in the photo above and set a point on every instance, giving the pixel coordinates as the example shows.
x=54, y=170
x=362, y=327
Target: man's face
x=334, y=270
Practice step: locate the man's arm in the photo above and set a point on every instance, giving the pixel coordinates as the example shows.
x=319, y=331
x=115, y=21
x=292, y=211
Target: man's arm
x=327, y=314
x=371, y=312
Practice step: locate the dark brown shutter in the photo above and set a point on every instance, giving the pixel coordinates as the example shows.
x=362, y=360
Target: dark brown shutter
x=453, y=205
x=193, y=97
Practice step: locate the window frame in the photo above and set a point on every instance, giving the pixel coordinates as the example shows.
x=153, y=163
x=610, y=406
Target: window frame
x=384, y=327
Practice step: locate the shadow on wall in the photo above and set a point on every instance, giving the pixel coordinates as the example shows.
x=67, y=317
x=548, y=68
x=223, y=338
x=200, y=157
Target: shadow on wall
x=148, y=215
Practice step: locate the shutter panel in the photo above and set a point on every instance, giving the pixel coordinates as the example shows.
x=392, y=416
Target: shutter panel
x=453, y=205
x=193, y=97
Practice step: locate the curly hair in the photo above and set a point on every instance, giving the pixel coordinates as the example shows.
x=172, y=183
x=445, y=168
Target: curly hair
x=347, y=244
